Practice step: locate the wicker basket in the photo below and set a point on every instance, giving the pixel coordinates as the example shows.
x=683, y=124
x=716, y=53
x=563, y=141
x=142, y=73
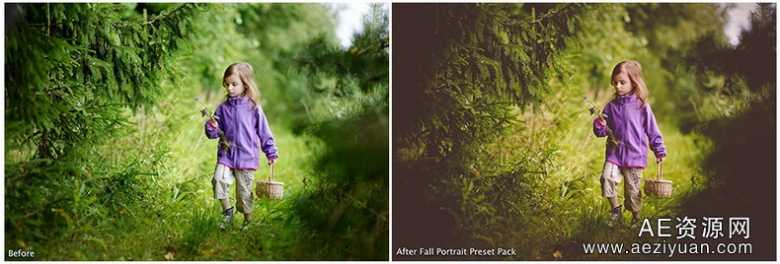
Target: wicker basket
x=659, y=187
x=270, y=189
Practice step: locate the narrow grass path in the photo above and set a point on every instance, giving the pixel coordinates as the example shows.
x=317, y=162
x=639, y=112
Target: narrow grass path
x=682, y=167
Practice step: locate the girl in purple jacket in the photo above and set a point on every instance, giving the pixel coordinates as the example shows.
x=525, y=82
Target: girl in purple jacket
x=629, y=119
x=242, y=129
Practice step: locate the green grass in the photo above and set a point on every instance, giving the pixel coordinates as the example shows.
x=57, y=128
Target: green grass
x=180, y=218
x=563, y=205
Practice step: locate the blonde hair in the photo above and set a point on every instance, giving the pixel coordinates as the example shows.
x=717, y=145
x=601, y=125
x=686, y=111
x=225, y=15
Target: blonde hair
x=634, y=71
x=245, y=73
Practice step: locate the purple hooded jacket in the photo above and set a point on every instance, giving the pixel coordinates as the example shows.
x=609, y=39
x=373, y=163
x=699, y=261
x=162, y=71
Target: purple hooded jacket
x=246, y=129
x=634, y=127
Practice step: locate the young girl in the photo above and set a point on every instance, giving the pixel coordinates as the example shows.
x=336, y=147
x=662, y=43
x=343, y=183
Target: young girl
x=242, y=128
x=633, y=125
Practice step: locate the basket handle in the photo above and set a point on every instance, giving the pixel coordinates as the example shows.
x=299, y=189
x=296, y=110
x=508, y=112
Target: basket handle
x=659, y=172
x=271, y=175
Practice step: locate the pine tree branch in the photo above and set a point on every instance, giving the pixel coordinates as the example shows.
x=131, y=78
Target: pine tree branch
x=166, y=14
x=552, y=13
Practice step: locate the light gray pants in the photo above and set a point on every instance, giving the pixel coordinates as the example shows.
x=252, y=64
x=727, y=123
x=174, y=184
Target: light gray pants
x=223, y=178
x=613, y=174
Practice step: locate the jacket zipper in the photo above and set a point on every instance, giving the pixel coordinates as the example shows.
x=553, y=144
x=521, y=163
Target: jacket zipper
x=235, y=127
x=621, y=149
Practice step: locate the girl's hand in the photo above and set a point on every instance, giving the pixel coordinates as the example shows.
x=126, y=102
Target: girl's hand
x=271, y=161
x=601, y=121
x=659, y=160
x=213, y=123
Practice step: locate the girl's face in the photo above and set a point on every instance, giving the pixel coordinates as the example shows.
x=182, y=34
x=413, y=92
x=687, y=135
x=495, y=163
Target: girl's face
x=622, y=83
x=234, y=85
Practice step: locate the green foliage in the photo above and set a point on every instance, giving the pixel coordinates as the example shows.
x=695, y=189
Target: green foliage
x=493, y=59
x=365, y=63
x=671, y=28
x=79, y=65
x=349, y=207
x=498, y=56
x=80, y=68
x=279, y=32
